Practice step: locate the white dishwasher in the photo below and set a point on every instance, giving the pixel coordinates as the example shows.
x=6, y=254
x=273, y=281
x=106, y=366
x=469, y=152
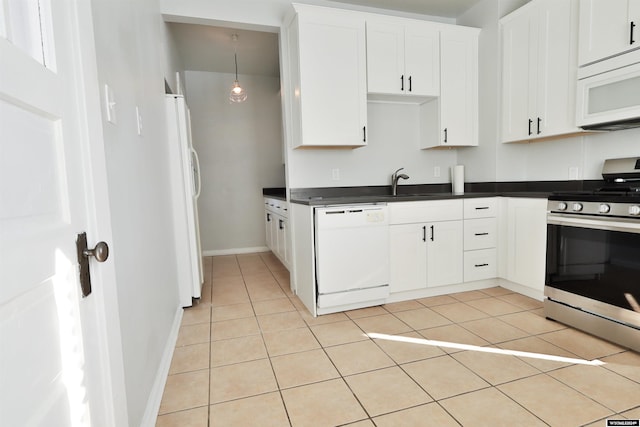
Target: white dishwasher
x=352, y=256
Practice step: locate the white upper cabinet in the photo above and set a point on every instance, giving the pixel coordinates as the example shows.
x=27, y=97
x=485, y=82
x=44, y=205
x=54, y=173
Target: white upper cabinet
x=327, y=78
x=403, y=58
x=452, y=119
x=459, y=87
x=608, y=28
x=539, y=70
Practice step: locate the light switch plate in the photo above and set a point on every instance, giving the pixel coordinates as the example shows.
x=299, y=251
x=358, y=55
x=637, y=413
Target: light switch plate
x=436, y=171
x=335, y=174
x=139, y=120
x=110, y=104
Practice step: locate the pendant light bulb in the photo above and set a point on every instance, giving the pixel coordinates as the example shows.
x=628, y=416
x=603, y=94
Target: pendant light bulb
x=238, y=94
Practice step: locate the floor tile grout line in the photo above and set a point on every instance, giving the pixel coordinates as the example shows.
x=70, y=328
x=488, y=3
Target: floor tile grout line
x=580, y=392
x=290, y=297
x=273, y=372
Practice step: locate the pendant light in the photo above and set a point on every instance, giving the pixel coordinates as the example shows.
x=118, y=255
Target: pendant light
x=238, y=94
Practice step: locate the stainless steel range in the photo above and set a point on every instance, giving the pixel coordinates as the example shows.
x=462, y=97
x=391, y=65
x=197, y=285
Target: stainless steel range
x=593, y=256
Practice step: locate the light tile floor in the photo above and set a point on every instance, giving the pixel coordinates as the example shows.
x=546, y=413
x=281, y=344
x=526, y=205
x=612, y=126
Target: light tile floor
x=249, y=354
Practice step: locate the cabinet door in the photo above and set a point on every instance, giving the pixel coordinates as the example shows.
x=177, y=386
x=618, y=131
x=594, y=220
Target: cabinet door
x=268, y=229
x=332, y=71
x=517, y=37
x=526, y=242
x=444, y=253
x=459, y=88
x=605, y=28
x=408, y=257
x=282, y=240
x=555, y=96
x=385, y=58
x=422, y=60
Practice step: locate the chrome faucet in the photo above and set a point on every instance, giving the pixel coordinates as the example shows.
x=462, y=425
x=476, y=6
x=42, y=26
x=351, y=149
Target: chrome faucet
x=394, y=181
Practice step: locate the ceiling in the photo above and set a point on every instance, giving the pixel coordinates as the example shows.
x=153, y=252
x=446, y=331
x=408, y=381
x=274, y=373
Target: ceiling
x=208, y=48
x=444, y=8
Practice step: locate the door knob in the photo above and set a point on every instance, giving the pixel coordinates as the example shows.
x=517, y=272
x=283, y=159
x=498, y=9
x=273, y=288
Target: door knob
x=100, y=252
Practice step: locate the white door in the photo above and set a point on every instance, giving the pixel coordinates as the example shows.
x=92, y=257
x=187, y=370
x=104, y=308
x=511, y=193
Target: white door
x=444, y=253
x=517, y=35
x=333, y=79
x=554, y=112
x=458, y=88
x=385, y=58
x=526, y=242
x=605, y=29
x=55, y=368
x=408, y=257
x=422, y=60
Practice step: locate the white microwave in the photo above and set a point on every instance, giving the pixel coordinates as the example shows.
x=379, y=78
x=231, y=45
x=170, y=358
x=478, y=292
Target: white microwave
x=608, y=94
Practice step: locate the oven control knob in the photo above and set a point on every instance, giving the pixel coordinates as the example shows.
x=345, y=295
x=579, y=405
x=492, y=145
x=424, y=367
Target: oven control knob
x=634, y=210
x=604, y=208
x=577, y=207
x=562, y=206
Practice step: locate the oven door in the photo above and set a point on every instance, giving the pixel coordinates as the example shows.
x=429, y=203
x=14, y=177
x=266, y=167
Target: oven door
x=594, y=264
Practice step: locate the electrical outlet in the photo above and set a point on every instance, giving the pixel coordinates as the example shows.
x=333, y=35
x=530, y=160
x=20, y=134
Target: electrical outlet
x=335, y=174
x=436, y=171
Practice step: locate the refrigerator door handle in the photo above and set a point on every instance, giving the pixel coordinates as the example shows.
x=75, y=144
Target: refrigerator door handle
x=197, y=171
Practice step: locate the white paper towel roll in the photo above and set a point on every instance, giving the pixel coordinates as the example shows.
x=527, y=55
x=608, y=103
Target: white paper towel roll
x=457, y=179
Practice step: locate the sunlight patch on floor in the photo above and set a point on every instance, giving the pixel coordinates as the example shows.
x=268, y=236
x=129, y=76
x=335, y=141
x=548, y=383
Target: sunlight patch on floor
x=424, y=341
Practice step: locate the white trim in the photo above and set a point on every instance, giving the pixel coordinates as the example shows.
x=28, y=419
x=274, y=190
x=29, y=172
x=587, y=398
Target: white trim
x=235, y=251
x=109, y=396
x=155, y=395
x=537, y=294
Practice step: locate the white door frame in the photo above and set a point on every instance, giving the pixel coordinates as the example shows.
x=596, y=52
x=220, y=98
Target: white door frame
x=75, y=95
x=106, y=349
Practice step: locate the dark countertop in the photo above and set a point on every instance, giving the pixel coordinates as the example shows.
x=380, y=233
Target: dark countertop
x=275, y=193
x=354, y=199
x=408, y=193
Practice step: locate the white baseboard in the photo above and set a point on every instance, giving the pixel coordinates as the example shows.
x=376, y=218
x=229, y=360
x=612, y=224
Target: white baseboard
x=521, y=289
x=155, y=396
x=235, y=251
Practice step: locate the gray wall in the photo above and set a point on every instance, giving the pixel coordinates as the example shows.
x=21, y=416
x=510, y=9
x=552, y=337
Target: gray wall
x=393, y=142
x=133, y=56
x=240, y=150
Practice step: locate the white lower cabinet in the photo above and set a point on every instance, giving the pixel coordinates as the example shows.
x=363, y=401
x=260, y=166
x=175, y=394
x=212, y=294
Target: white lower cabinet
x=480, y=264
x=408, y=262
x=524, y=252
x=426, y=244
x=444, y=253
x=276, y=220
x=480, y=238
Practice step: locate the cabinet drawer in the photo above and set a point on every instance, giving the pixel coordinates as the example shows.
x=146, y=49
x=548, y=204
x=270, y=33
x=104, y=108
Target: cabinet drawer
x=280, y=207
x=479, y=265
x=480, y=233
x=480, y=208
x=413, y=212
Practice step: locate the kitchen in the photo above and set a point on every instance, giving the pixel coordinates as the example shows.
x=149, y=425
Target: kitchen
x=393, y=132
x=133, y=61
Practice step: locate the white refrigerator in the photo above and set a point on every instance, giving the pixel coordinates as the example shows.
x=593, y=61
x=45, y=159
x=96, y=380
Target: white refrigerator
x=185, y=190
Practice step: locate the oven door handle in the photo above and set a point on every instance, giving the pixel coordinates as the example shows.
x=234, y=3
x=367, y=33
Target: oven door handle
x=599, y=223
